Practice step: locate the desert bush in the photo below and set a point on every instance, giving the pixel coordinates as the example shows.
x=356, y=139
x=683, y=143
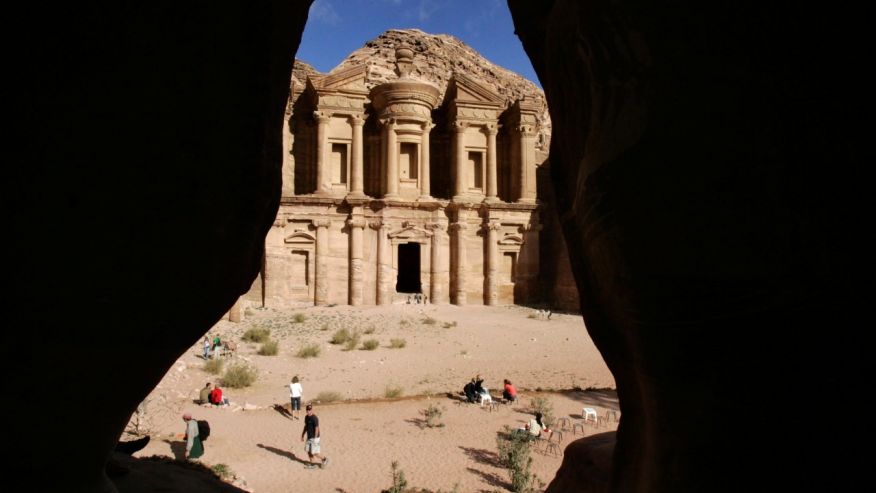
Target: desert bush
x=352, y=342
x=433, y=414
x=514, y=453
x=370, y=344
x=543, y=406
x=397, y=343
x=403, y=322
x=329, y=397
x=222, y=470
x=257, y=334
x=393, y=391
x=269, y=348
x=299, y=318
x=370, y=330
x=340, y=336
x=239, y=375
x=309, y=351
x=399, y=483
x=429, y=321
x=448, y=325
x=214, y=366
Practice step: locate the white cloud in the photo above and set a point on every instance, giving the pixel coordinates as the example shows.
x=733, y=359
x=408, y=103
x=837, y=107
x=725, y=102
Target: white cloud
x=427, y=8
x=323, y=11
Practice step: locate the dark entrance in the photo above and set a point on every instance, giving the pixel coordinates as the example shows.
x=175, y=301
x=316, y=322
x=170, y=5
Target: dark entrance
x=408, y=268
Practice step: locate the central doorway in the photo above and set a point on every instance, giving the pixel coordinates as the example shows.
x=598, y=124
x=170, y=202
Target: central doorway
x=408, y=269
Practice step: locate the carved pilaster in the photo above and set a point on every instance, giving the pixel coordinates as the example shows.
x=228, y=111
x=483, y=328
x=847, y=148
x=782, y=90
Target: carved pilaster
x=439, y=276
x=460, y=187
x=356, y=227
x=457, y=231
x=491, y=264
x=357, y=171
x=492, y=177
x=321, y=287
x=384, y=265
x=323, y=177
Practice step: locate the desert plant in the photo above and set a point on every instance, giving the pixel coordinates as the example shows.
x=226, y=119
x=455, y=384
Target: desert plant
x=514, y=453
x=269, y=348
x=543, y=406
x=429, y=321
x=340, y=336
x=222, y=470
x=399, y=483
x=352, y=342
x=397, y=343
x=239, y=375
x=309, y=351
x=329, y=397
x=257, y=334
x=370, y=330
x=214, y=366
x=403, y=322
x=299, y=318
x=393, y=391
x=448, y=325
x=433, y=414
x=370, y=344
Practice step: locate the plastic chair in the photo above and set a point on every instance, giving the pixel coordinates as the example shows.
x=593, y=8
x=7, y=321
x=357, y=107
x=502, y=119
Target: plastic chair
x=588, y=413
x=577, y=425
x=610, y=413
x=563, y=423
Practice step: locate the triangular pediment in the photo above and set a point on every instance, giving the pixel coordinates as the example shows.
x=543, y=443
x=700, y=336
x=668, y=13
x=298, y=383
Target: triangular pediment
x=465, y=89
x=350, y=79
x=410, y=232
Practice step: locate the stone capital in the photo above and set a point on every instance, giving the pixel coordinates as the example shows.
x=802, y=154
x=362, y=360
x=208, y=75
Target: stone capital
x=428, y=126
x=459, y=126
x=531, y=227
x=492, y=225
x=356, y=222
x=491, y=128
x=322, y=223
x=459, y=227
x=322, y=116
x=435, y=227
x=388, y=122
x=357, y=120
x=377, y=225
x=526, y=130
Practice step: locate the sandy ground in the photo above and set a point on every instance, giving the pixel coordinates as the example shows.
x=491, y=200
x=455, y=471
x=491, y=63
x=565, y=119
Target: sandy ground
x=366, y=432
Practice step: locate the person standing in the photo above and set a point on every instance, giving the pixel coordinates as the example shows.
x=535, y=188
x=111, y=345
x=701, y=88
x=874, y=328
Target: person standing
x=206, y=347
x=295, y=394
x=311, y=430
x=194, y=445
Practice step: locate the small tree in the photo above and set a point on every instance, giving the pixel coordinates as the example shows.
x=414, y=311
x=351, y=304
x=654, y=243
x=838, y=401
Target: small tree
x=399, y=483
x=433, y=414
x=514, y=449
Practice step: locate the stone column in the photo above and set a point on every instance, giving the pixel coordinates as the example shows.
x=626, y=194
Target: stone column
x=323, y=174
x=384, y=263
x=288, y=160
x=438, y=277
x=391, y=160
x=357, y=171
x=492, y=178
x=321, y=283
x=234, y=313
x=459, y=185
x=528, y=267
x=425, y=183
x=527, y=161
x=356, y=226
x=460, y=273
x=491, y=265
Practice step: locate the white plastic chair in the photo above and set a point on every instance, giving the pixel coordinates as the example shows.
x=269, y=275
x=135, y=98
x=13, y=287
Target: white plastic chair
x=486, y=397
x=589, y=413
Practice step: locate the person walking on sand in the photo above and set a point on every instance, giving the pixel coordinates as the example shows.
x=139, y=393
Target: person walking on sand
x=311, y=429
x=295, y=393
x=194, y=445
x=206, y=347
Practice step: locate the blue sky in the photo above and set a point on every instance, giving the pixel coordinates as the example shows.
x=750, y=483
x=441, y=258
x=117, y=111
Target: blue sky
x=335, y=28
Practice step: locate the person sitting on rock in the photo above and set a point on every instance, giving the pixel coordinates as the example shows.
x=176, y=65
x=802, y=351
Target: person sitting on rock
x=216, y=397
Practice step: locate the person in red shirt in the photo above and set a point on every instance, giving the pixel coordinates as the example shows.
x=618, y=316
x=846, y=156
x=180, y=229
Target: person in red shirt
x=216, y=397
x=510, y=393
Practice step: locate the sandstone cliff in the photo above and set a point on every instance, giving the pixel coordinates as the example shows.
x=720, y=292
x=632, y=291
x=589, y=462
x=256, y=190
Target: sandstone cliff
x=436, y=58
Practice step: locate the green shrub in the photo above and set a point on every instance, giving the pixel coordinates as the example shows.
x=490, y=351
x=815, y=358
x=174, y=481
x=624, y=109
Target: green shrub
x=269, y=348
x=340, y=336
x=329, y=397
x=543, y=406
x=257, y=334
x=309, y=351
x=352, y=342
x=370, y=344
x=222, y=470
x=239, y=376
x=299, y=318
x=429, y=321
x=397, y=343
x=214, y=366
x=433, y=413
x=393, y=391
x=514, y=449
x=399, y=483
